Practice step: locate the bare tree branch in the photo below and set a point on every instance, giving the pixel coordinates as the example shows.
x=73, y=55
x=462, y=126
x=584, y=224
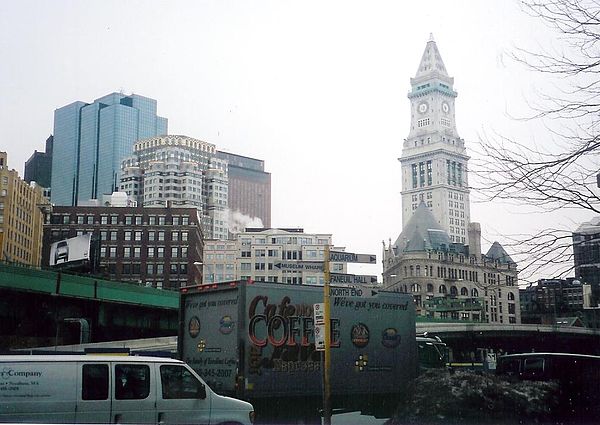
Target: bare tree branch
x=562, y=174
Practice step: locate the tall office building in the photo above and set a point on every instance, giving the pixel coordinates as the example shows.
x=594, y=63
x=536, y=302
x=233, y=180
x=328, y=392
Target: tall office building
x=21, y=218
x=91, y=140
x=249, y=188
x=179, y=171
x=38, y=167
x=434, y=159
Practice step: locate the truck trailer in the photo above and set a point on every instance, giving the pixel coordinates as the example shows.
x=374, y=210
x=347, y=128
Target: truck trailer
x=256, y=341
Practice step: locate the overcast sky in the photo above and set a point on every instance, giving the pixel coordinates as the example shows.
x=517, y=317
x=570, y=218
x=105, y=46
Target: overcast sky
x=317, y=89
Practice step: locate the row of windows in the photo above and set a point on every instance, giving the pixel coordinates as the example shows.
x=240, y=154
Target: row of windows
x=115, y=219
x=136, y=251
x=152, y=269
x=285, y=240
x=418, y=174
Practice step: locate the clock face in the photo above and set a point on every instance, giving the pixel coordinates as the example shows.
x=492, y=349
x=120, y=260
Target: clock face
x=445, y=107
x=423, y=107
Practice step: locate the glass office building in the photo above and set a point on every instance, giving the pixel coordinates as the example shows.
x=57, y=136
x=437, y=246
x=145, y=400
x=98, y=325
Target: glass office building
x=91, y=140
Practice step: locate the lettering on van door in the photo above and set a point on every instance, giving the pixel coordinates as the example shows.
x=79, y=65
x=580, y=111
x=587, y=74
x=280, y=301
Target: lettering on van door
x=25, y=382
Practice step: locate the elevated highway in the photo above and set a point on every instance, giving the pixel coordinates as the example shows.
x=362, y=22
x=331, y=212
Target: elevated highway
x=470, y=337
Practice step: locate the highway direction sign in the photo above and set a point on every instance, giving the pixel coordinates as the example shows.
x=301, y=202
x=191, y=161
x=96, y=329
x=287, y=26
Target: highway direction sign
x=292, y=265
x=350, y=257
x=351, y=279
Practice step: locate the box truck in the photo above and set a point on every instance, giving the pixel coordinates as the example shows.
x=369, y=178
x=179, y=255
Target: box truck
x=256, y=341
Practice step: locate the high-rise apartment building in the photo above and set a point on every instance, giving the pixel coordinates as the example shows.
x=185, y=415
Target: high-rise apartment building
x=21, y=217
x=249, y=187
x=91, y=140
x=269, y=255
x=38, y=167
x=179, y=171
x=434, y=159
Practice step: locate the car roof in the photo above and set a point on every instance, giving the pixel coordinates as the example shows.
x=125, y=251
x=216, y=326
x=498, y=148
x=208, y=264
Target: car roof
x=86, y=358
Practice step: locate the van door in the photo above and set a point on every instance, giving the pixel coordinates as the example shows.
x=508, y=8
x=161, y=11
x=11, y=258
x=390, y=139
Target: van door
x=182, y=397
x=93, y=398
x=133, y=394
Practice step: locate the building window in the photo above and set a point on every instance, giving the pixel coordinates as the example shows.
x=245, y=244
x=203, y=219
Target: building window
x=414, y=175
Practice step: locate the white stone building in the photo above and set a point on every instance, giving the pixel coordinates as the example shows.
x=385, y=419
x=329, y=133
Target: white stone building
x=437, y=256
x=434, y=158
x=268, y=255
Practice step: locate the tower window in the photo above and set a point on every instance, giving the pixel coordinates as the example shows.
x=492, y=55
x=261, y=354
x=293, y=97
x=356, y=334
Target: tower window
x=414, y=175
x=445, y=122
x=423, y=122
x=429, y=173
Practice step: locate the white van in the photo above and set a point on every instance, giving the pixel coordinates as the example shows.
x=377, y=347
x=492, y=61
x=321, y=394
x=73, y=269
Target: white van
x=111, y=389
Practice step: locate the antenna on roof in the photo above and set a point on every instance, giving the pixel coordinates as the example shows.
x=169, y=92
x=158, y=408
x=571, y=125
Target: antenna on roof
x=431, y=37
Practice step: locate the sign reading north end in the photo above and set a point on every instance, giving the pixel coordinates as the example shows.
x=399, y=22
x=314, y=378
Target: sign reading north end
x=350, y=257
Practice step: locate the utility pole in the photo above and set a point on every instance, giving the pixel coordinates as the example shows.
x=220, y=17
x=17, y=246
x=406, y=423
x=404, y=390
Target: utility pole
x=327, y=363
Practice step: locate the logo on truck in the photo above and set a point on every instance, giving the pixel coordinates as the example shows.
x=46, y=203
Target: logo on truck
x=359, y=335
x=194, y=327
x=390, y=338
x=284, y=324
x=226, y=325
x=282, y=336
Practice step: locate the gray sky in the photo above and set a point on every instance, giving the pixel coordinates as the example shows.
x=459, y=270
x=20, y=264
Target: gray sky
x=315, y=88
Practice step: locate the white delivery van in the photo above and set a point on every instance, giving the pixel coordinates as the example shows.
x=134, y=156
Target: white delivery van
x=111, y=389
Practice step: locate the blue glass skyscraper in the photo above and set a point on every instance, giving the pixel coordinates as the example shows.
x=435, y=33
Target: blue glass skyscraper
x=90, y=140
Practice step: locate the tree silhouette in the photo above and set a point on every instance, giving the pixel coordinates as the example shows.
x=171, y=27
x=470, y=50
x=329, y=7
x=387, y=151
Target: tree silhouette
x=563, y=174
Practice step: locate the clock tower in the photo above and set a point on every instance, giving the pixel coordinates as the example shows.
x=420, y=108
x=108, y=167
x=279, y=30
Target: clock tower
x=434, y=158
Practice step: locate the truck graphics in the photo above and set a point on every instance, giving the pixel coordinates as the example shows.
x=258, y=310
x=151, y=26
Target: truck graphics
x=258, y=340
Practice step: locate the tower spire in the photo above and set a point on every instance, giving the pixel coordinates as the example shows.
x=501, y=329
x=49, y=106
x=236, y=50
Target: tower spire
x=431, y=61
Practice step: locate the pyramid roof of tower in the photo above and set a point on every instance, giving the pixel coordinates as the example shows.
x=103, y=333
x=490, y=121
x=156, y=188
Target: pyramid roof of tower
x=431, y=61
x=421, y=233
x=497, y=252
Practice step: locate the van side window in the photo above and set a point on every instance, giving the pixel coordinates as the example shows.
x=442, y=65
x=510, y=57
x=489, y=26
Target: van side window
x=178, y=382
x=95, y=382
x=132, y=382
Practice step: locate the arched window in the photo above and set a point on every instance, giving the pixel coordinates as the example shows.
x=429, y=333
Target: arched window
x=453, y=291
x=442, y=289
x=511, y=296
x=415, y=287
x=474, y=292
x=464, y=292
x=430, y=287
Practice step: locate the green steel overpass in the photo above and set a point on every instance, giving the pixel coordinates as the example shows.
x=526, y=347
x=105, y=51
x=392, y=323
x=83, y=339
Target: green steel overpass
x=44, y=307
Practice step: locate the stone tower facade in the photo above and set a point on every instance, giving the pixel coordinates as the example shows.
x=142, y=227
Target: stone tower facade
x=434, y=159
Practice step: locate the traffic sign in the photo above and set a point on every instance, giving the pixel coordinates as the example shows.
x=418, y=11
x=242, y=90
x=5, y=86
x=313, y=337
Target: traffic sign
x=292, y=265
x=350, y=257
x=352, y=278
x=319, y=313
x=351, y=291
x=320, y=337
